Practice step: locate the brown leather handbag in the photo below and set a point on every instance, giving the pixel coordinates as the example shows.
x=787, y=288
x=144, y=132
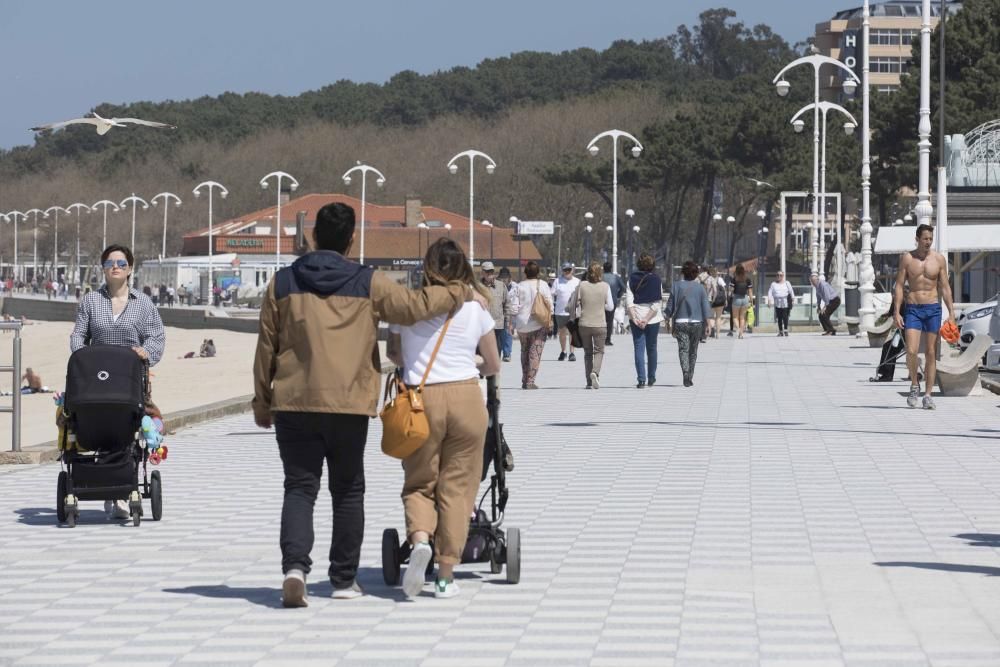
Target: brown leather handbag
x=404, y=424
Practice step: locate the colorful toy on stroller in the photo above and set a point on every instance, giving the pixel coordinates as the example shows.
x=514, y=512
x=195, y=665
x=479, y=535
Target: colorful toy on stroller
x=102, y=437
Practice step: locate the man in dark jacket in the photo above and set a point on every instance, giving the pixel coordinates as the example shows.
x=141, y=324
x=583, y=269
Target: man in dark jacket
x=617, y=286
x=317, y=375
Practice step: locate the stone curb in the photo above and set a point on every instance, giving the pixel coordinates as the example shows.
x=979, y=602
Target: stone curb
x=48, y=452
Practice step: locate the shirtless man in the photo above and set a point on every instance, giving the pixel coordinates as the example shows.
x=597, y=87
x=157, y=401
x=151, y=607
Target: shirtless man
x=34, y=381
x=926, y=272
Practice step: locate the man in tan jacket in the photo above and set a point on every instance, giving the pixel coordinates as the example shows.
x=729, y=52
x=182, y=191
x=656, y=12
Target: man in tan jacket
x=317, y=374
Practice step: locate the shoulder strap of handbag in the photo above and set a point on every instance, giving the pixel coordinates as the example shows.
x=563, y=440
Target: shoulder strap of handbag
x=434, y=354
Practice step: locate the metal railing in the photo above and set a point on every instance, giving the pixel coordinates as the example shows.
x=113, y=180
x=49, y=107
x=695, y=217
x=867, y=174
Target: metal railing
x=15, y=370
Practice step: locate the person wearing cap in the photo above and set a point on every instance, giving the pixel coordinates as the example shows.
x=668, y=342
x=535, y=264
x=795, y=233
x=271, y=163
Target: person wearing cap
x=508, y=331
x=500, y=306
x=562, y=290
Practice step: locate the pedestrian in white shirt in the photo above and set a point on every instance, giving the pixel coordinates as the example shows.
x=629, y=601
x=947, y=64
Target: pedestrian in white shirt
x=530, y=331
x=442, y=476
x=562, y=289
x=782, y=297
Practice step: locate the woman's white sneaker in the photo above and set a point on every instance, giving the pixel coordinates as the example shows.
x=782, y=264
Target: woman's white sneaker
x=446, y=588
x=350, y=593
x=413, y=578
x=595, y=381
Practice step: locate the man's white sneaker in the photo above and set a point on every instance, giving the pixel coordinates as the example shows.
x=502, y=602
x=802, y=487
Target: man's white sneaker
x=116, y=509
x=413, y=578
x=913, y=396
x=595, y=381
x=351, y=592
x=293, y=589
x=929, y=403
x=446, y=588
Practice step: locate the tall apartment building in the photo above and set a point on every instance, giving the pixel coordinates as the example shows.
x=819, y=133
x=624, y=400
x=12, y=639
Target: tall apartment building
x=894, y=26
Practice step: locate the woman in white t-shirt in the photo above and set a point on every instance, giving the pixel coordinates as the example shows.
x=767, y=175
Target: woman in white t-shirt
x=442, y=476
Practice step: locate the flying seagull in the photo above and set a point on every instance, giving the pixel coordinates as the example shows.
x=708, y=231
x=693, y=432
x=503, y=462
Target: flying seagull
x=102, y=124
x=758, y=183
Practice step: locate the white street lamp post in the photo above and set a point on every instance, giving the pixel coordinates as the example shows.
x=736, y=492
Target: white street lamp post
x=105, y=203
x=293, y=186
x=210, y=186
x=588, y=217
x=517, y=230
x=135, y=201
x=849, y=126
x=867, y=287
x=379, y=181
x=489, y=225
x=76, y=207
x=166, y=197
x=14, y=215
x=782, y=86
x=55, y=242
x=34, y=243
x=630, y=214
x=924, y=210
x=636, y=151
x=453, y=168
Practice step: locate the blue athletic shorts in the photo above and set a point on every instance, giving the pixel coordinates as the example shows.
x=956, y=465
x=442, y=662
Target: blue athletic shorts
x=925, y=317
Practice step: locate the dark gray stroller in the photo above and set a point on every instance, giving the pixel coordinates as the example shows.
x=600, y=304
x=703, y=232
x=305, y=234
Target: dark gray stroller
x=101, y=442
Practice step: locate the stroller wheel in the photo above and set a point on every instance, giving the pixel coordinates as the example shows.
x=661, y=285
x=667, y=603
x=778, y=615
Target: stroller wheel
x=156, y=495
x=61, y=497
x=390, y=557
x=135, y=508
x=513, y=556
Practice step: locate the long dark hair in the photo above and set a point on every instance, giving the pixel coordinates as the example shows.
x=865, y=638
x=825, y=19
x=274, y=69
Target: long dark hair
x=445, y=262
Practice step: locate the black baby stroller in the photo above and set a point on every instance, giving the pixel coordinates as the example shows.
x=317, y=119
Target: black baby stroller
x=487, y=542
x=101, y=438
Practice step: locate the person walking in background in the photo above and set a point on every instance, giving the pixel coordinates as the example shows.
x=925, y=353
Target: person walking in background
x=707, y=281
x=499, y=302
x=782, y=296
x=718, y=302
x=690, y=310
x=507, y=341
x=742, y=296
x=442, y=475
x=593, y=298
x=644, y=304
x=617, y=286
x=317, y=376
x=562, y=290
x=531, y=331
x=827, y=302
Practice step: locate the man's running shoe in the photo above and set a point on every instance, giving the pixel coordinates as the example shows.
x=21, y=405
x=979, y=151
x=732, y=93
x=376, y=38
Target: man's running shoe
x=929, y=403
x=913, y=397
x=293, y=589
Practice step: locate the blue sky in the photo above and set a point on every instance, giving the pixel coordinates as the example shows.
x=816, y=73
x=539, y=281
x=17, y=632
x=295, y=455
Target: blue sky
x=61, y=58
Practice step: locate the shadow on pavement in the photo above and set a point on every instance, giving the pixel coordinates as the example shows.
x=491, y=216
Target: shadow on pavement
x=265, y=597
x=945, y=567
x=981, y=539
x=46, y=516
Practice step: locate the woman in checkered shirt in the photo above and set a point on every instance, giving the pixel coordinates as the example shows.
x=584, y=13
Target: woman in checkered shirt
x=118, y=314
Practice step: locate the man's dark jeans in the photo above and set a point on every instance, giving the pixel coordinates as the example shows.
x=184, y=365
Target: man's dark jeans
x=305, y=439
x=609, y=320
x=827, y=312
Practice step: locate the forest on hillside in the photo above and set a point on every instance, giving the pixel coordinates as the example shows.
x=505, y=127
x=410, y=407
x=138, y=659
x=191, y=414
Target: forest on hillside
x=700, y=100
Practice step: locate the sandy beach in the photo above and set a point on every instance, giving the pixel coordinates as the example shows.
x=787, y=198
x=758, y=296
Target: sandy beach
x=178, y=384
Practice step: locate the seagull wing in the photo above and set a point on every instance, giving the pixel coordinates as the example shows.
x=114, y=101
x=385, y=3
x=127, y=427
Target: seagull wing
x=139, y=121
x=56, y=126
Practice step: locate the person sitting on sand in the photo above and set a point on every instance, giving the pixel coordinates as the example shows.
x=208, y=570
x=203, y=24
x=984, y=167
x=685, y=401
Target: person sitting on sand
x=34, y=381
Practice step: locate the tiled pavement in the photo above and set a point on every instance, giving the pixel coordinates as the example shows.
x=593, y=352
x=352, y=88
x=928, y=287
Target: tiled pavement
x=782, y=511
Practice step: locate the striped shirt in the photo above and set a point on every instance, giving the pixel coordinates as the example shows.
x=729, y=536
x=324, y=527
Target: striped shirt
x=139, y=325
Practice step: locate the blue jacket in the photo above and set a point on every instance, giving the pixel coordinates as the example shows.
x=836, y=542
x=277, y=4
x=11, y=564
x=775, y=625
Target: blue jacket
x=689, y=301
x=646, y=287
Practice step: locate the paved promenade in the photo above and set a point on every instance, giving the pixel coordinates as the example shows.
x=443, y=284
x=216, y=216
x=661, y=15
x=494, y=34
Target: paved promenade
x=783, y=511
